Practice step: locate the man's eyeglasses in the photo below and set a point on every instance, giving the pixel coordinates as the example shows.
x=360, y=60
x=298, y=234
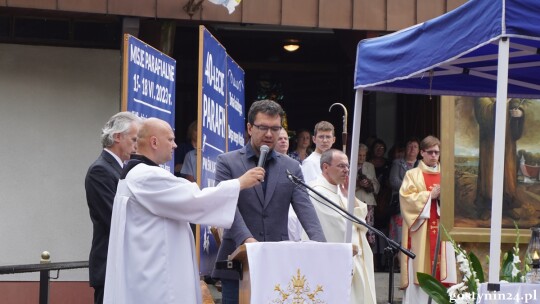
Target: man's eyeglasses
x=433, y=152
x=342, y=166
x=265, y=129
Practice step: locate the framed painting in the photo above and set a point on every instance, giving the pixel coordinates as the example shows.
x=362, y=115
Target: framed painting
x=467, y=125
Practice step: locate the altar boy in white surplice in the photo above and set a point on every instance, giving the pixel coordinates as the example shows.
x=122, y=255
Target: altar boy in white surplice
x=333, y=183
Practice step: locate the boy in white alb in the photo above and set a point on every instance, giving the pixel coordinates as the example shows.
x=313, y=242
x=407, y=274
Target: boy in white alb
x=323, y=138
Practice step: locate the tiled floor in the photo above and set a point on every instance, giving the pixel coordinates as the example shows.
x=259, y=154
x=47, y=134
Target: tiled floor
x=381, y=285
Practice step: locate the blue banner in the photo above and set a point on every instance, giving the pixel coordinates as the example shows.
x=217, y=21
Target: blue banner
x=212, y=80
x=235, y=105
x=149, y=78
x=213, y=117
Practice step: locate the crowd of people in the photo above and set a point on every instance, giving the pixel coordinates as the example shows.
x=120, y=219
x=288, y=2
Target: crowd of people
x=132, y=202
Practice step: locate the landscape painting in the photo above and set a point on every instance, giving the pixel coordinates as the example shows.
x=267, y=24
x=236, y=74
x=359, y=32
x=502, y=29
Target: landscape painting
x=473, y=161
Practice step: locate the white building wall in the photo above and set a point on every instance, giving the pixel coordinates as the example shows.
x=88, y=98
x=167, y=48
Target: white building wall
x=53, y=103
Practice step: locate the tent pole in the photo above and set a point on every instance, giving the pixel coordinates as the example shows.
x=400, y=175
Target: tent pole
x=498, y=164
x=355, y=140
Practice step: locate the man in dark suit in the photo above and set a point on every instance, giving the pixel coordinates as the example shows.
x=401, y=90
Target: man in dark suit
x=119, y=141
x=262, y=211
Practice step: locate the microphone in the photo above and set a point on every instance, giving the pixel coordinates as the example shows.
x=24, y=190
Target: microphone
x=262, y=158
x=290, y=176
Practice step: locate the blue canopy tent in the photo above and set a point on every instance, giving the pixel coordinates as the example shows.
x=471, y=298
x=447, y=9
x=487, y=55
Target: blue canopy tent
x=488, y=48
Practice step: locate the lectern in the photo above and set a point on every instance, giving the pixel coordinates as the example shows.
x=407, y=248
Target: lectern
x=303, y=267
x=240, y=254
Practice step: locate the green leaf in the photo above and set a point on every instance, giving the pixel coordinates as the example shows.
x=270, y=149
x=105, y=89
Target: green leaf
x=506, y=270
x=517, y=235
x=477, y=267
x=433, y=288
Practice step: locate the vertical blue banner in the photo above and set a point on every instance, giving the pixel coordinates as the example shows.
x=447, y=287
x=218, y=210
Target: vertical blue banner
x=213, y=126
x=148, y=83
x=235, y=105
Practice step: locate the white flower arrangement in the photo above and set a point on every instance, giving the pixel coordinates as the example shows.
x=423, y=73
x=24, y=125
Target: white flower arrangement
x=466, y=292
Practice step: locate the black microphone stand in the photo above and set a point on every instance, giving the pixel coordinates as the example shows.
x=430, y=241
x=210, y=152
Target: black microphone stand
x=389, y=251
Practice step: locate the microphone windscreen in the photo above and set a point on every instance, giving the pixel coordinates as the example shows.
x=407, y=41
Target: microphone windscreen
x=262, y=157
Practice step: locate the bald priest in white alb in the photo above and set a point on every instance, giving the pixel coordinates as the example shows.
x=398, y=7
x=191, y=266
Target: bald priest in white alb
x=151, y=256
x=332, y=183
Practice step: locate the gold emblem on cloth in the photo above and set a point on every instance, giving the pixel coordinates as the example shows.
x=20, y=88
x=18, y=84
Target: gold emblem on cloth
x=298, y=291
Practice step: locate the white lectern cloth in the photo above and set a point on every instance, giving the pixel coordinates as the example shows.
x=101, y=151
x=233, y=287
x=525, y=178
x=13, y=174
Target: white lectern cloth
x=296, y=270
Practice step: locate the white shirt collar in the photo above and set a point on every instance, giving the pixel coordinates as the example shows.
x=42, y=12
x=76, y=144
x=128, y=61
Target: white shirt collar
x=115, y=157
x=325, y=183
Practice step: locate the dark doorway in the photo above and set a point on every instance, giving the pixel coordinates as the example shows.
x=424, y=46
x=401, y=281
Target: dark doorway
x=305, y=82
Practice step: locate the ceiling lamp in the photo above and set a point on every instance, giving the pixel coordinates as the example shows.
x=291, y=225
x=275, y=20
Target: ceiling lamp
x=291, y=45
